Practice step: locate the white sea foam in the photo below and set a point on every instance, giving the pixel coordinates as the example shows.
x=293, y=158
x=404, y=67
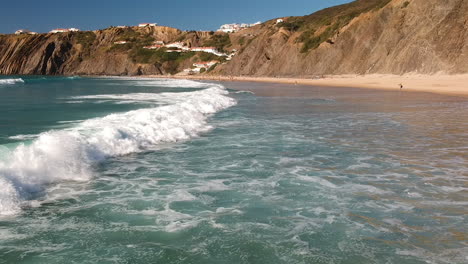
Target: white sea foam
x=248, y=92
x=23, y=137
x=11, y=81
x=8, y=198
x=68, y=155
x=70, y=122
x=136, y=97
x=170, y=83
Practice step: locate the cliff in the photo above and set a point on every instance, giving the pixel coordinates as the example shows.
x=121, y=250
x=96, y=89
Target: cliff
x=362, y=37
x=95, y=52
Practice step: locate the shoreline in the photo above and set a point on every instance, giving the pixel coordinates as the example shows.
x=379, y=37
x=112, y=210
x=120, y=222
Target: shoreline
x=454, y=85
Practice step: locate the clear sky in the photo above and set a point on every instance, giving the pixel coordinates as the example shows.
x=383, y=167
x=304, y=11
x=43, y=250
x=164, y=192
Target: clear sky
x=44, y=15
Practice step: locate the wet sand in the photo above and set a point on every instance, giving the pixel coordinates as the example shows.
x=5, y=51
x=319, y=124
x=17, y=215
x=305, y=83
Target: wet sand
x=387, y=100
x=456, y=85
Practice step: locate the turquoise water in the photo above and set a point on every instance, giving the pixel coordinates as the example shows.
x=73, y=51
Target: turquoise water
x=115, y=170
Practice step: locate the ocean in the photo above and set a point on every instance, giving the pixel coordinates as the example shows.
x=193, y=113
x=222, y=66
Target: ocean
x=135, y=170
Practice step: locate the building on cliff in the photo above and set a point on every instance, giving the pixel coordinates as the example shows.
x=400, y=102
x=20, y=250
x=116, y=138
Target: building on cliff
x=178, y=45
x=147, y=24
x=63, y=30
x=211, y=50
x=231, y=28
x=24, y=31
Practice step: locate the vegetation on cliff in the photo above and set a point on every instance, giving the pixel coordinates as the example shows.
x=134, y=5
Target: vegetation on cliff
x=118, y=51
x=219, y=41
x=323, y=25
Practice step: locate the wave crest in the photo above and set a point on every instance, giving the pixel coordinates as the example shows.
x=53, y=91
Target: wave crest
x=68, y=155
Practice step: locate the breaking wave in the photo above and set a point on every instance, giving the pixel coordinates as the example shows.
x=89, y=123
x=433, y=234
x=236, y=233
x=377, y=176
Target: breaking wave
x=68, y=155
x=11, y=81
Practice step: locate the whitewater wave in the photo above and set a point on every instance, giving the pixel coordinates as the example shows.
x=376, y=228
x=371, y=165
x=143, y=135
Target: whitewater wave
x=161, y=82
x=68, y=155
x=160, y=98
x=11, y=81
x=23, y=137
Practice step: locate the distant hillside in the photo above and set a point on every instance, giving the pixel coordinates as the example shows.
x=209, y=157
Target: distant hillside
x=97, y=52
x=362, y=37
x=365, y=36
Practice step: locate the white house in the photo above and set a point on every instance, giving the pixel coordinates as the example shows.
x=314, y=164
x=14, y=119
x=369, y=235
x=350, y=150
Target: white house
x=178, y=45
x=159, y=42
x=229, y=28
x=147, y=24
x=205, y=49
x=63, y=30
x=23, y=31
x=120, y=42
x=279, y=20
x=59, y=30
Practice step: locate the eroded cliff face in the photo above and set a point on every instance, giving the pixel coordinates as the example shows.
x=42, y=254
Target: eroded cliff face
x=86, y=53
x=413, y=36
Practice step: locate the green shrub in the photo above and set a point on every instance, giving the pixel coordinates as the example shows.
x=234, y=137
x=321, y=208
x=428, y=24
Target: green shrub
x=293, y=25
x=170, y=61
x=204, y=56
x=333, y=19
x=219, y=41
x=85, y=38
x=405, y=4
x=129, y=35
x=121, y=47
x=306, y=35
x=242, y=41
x=212, y=67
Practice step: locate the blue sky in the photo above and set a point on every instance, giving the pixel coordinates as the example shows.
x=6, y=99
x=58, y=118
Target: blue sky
x=44, y=15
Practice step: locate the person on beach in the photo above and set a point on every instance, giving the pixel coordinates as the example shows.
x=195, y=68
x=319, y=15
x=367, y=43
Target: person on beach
x=401, y=86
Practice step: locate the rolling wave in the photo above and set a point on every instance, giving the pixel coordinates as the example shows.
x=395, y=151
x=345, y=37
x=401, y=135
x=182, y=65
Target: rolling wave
x=68, y=155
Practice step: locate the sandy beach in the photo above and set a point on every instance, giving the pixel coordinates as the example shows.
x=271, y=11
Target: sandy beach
x=456, y=85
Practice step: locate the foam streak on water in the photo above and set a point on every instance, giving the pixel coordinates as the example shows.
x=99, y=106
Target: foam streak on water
x=11, y=81
x=68, y=155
